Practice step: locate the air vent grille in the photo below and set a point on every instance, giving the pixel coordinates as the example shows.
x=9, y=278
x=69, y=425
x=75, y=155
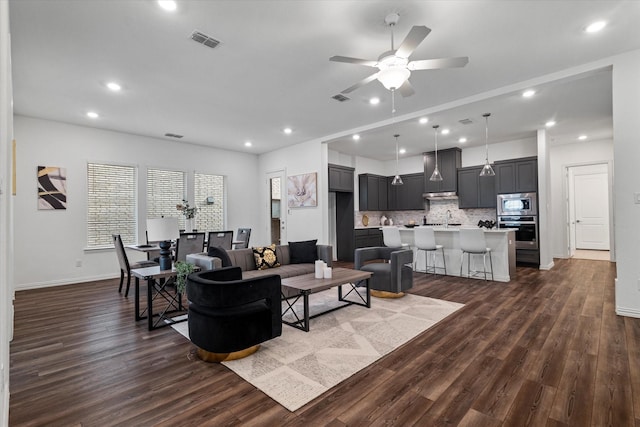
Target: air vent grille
x=340, y=97
x=465, y=121
x=173, y=135
x=204, y=39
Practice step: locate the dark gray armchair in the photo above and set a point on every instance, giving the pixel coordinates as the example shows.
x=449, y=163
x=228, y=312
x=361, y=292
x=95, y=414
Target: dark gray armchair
x=389, y=279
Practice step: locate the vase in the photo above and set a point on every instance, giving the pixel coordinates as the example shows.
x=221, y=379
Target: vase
x=189, y=225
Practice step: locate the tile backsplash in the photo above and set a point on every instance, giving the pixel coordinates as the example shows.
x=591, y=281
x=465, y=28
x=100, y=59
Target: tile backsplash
x=435, y=215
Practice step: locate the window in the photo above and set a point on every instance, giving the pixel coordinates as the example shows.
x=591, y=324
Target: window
x=165, y=190
x=209, y=196
x=111, y=204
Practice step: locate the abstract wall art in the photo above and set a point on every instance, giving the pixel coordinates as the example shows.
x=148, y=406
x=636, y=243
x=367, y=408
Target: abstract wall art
x=301, y=190
x=52, y=188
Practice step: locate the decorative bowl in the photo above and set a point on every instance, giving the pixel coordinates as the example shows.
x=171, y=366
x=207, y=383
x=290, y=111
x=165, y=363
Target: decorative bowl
x=411, y=225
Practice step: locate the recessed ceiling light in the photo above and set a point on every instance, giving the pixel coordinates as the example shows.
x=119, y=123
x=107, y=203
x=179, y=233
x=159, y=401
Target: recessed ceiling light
x=374, y=101
x=114, y=86
x=445, y=131
x=550, y=123
x=356, y=137
x=528, y=93
x=595, y=26
x=462, y=140
x=288, y=131
x=248, y=144
x=402, y=151
x=582, y=137
x=168, y=5
x=424, y=120
x=92, y=114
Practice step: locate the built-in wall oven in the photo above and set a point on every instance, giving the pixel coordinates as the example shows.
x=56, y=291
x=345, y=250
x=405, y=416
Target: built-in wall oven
x=520, y=212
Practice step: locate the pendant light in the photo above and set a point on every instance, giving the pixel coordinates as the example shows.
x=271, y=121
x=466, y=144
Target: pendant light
x=487, y=170
x=396, y=179
x=436, y=175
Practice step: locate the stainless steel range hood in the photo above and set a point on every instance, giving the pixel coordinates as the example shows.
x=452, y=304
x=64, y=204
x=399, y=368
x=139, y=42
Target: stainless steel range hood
x=445, y=195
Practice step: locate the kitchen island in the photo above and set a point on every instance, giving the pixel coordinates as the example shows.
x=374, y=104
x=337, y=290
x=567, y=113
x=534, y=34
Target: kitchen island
x=501, y=241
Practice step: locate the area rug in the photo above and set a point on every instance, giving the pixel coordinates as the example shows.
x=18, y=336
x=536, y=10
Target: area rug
x=298, y=366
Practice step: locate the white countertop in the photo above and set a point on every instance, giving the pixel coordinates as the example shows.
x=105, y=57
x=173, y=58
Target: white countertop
x=440, y=228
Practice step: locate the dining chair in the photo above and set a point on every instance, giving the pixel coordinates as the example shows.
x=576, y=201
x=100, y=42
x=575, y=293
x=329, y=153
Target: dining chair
x=224, y=239
x=473, y=242
x=242, y=238
x=189, y=243
x=125, y=265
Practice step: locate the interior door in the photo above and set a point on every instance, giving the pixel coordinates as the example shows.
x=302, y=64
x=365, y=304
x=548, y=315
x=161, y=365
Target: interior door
x=277, y=208
x=591, y=207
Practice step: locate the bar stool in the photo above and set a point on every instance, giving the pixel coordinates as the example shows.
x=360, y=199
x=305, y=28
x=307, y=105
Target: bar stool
x=425, y=240
x=473, y=242
x=391, y=238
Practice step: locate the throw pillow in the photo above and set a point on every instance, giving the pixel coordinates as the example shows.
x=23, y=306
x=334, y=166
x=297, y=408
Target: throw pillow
x=220, y=252
x=303, y=252
x=265, y=257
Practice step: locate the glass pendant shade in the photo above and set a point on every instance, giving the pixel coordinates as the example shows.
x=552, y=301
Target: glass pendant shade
x=396, y=179
x=436, y=175
x=487, y=170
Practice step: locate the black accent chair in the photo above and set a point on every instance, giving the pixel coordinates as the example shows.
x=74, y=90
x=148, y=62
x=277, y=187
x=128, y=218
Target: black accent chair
x=228, y=316
x=391, y=278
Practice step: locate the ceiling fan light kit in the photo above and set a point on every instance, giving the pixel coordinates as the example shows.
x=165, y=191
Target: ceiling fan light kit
x=487, y=170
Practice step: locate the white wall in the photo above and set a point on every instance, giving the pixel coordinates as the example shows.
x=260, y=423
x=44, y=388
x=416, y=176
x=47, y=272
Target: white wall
x=56, y=239
x=475, y=156
x=626, y=149
x=561, y=156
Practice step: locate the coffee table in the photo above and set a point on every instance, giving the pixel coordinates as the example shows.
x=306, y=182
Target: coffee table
x=294, y=288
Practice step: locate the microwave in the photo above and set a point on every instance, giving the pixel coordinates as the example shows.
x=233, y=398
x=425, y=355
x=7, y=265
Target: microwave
x=517, y=204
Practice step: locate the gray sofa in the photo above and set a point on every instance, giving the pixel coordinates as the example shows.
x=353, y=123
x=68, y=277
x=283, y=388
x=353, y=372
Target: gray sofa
x=244, y=259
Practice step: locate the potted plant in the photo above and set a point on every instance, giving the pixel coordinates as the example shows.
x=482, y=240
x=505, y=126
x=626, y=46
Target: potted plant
x=183, y=270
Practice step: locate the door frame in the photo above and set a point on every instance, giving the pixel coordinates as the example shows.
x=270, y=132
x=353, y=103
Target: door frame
x=568, y=200
x=282, y=174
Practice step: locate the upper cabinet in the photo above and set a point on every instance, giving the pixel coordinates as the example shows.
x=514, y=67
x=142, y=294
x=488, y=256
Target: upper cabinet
x=373, y=192
x=517, y=176
x=407, y=196
x=340, y=178
x=475, y=191
x=448, y=163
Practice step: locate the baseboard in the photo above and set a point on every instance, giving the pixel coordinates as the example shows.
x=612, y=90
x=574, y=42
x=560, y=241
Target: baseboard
x=547, y=267
x=627, y=312
x=62, y=282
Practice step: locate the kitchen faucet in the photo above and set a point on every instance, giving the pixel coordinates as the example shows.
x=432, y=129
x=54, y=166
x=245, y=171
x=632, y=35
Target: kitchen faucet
x=447, y=217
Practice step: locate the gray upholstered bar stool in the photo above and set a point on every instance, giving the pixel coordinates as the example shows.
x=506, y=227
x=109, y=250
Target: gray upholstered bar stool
x=425, y=240
x=473, y=242
x=391, y=238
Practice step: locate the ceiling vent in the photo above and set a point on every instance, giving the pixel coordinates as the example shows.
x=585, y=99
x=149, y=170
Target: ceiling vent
x=465, y=121
x=173, y=135
x=204, y=39
x=340, y=97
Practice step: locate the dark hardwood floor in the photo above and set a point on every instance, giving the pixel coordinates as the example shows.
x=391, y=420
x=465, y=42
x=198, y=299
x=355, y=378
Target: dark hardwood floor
x=546, y=349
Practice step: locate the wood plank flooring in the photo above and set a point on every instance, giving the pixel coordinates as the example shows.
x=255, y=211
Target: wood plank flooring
x=546, y=349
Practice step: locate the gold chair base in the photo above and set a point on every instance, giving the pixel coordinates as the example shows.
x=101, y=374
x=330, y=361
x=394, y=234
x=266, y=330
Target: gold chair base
x=208, y=356
x=386, y=294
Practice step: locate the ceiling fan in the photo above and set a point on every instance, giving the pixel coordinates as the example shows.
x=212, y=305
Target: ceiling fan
x=394, y=68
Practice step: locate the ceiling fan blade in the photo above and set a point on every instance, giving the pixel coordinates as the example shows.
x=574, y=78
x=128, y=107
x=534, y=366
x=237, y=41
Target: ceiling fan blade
x=406, y=89
x=349, y=60
x=361, y=83
x=413, y=39
x=432, y=64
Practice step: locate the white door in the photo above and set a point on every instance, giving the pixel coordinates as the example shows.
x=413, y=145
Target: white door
x=591, y=207
x=277, y=208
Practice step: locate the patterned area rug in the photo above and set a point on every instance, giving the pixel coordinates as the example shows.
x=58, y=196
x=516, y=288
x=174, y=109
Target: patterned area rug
x=298, y=366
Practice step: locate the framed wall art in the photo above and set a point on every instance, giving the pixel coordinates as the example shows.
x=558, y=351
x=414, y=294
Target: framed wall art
x=52, y=188
x=302, y=190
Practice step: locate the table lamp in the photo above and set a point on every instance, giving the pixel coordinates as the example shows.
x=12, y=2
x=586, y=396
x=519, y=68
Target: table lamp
x=163, y=230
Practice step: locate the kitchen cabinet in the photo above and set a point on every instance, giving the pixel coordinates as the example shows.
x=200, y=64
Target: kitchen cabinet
x=340, y=178
x=448, y=163
x=373, y=192
x=407, y=196
x=368, y=237
x=475, y=191
x=517, y=176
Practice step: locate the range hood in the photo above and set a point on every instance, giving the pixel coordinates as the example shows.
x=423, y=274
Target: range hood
x=445, y=195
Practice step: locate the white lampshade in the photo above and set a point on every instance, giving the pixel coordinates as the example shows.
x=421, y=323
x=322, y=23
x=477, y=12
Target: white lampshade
x=393, y=77
x=162, y=229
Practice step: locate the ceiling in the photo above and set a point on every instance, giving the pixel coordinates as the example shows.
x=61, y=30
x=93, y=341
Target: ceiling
x=271, y=69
